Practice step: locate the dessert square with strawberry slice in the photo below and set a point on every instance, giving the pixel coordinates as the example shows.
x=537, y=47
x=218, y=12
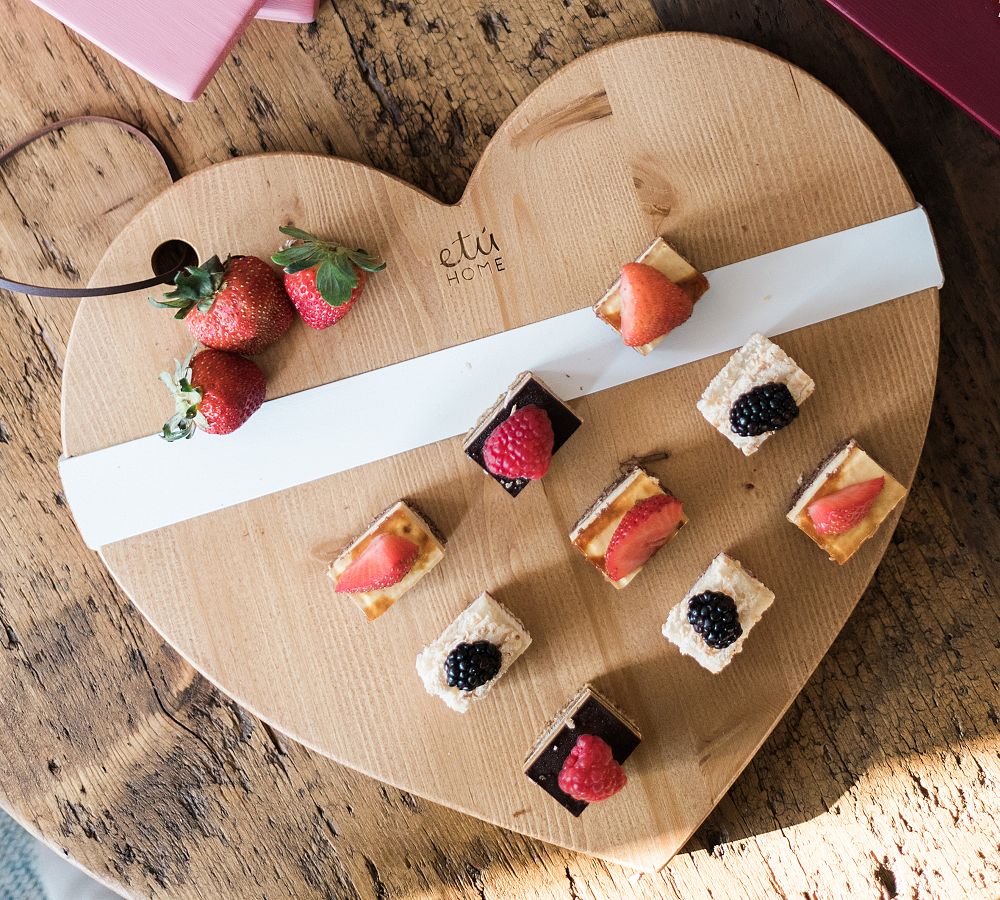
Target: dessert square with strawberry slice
x=844, y=501
x=515, y=439
x=758, y=392
x=579, y=757
x=714, y=619
x=652, y=296
x=386, y=560
x=473, y=653
x=632, y=519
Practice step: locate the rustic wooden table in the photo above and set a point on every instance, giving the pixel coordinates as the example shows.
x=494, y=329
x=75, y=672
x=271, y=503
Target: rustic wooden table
x=881, y=781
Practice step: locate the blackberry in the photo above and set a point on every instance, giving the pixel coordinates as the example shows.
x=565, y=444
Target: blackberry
x=766, y=407
x=469, y=666
x=713, y=615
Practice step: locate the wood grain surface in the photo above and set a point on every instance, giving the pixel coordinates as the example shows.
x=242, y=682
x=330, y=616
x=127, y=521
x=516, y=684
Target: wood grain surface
x=737, y=155
x=882, y=779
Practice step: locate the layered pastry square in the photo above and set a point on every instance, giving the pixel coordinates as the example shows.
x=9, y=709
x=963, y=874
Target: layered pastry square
x=758, y=392
x=632, y=519
x=716, y=615
x=640, y=307
x=578, y=757
x=386, y=560
x=472, y=654
x=844, y=501
x=514, y=440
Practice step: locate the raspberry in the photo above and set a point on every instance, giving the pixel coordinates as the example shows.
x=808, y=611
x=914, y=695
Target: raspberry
x=521, y=446
x=590, y=772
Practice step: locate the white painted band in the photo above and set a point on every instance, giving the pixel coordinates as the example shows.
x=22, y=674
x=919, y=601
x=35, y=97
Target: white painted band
x=119, y=492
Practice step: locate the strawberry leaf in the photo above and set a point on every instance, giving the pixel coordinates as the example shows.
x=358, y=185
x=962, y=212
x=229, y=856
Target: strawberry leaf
x=335, y=281
x=297, y=233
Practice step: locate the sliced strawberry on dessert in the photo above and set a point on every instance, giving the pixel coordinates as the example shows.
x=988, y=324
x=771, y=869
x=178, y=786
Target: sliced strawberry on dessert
x=383, y=563
x=322, y=278
x=520, y=446
x=645, y=528
x=238, y=305
x=651, y=304
x=591, y=773
x=213, y=390
x=844, y=509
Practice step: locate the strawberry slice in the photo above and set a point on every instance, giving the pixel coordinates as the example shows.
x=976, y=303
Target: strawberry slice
x=652, y=305
x=844, y=509
x=645, y=528
x=383, y=563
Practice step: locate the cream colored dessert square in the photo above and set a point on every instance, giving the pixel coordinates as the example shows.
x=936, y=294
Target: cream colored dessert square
x=403, y=520
x=662, y=257
x=847, y=464
x=759, y=361
x=727, y=576
x=483, y=620
x=593, y=532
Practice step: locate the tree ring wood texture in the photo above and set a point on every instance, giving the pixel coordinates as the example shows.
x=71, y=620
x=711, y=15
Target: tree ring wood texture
x=726, y=150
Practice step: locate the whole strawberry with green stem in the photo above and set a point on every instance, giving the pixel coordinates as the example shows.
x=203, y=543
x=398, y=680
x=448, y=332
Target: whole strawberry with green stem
x=213, y=390
x=238, y=305
x=322, y=278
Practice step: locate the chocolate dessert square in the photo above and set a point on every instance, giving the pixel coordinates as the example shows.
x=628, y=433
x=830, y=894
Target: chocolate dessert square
x=746, y=598
x=587, y=713
x=849, y=513
x=400, y=523
x=593, y=533
x=527, y=390
x=668, y=262
x=759, y=365
x=484, y=621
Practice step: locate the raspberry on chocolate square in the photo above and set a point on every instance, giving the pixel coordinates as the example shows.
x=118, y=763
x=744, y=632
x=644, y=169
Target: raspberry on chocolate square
x=515, y=439
x=588, y=713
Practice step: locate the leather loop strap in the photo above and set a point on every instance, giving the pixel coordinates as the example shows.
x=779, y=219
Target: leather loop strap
x=74, y=292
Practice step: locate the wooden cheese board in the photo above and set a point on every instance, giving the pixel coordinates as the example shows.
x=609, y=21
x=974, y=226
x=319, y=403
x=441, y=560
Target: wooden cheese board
x=723, y=148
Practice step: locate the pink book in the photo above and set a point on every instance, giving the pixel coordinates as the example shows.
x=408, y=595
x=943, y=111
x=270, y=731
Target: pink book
x=953, y=44
x=289, y=10
x=176, y=45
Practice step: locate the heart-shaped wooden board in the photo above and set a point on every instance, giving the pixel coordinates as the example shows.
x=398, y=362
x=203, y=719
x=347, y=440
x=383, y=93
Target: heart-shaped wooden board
x=726, y=150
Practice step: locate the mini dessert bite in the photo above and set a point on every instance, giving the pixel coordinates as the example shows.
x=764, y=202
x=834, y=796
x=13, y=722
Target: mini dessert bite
x=578, y=758
x=716, y=615
x=515, y=439
x=652, y=296
x=627, y=525
x=398, y=549
x=844, y=501
x=472, y=653
x=758, y=392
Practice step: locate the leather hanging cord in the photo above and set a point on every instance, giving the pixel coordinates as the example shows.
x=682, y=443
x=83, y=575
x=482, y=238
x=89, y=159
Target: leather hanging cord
x=73, y=292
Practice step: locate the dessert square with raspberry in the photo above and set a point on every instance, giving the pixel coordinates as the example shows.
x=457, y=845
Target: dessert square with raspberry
x=628, y=523
x=758, y=392
x=472, y=654
x=716, y=615
x=641, y=307
x=844, y=501
x=386, y=560
x=515, y=439
x=578, y=758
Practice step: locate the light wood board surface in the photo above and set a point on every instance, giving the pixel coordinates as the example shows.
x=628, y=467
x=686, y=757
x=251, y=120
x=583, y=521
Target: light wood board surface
x=745, y=155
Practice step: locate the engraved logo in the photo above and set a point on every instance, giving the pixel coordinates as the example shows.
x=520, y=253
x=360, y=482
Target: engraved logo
x=467, y=258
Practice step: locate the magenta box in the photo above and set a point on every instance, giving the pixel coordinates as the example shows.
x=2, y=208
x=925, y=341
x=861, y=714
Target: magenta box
x=953, y=44
x=289, y=10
